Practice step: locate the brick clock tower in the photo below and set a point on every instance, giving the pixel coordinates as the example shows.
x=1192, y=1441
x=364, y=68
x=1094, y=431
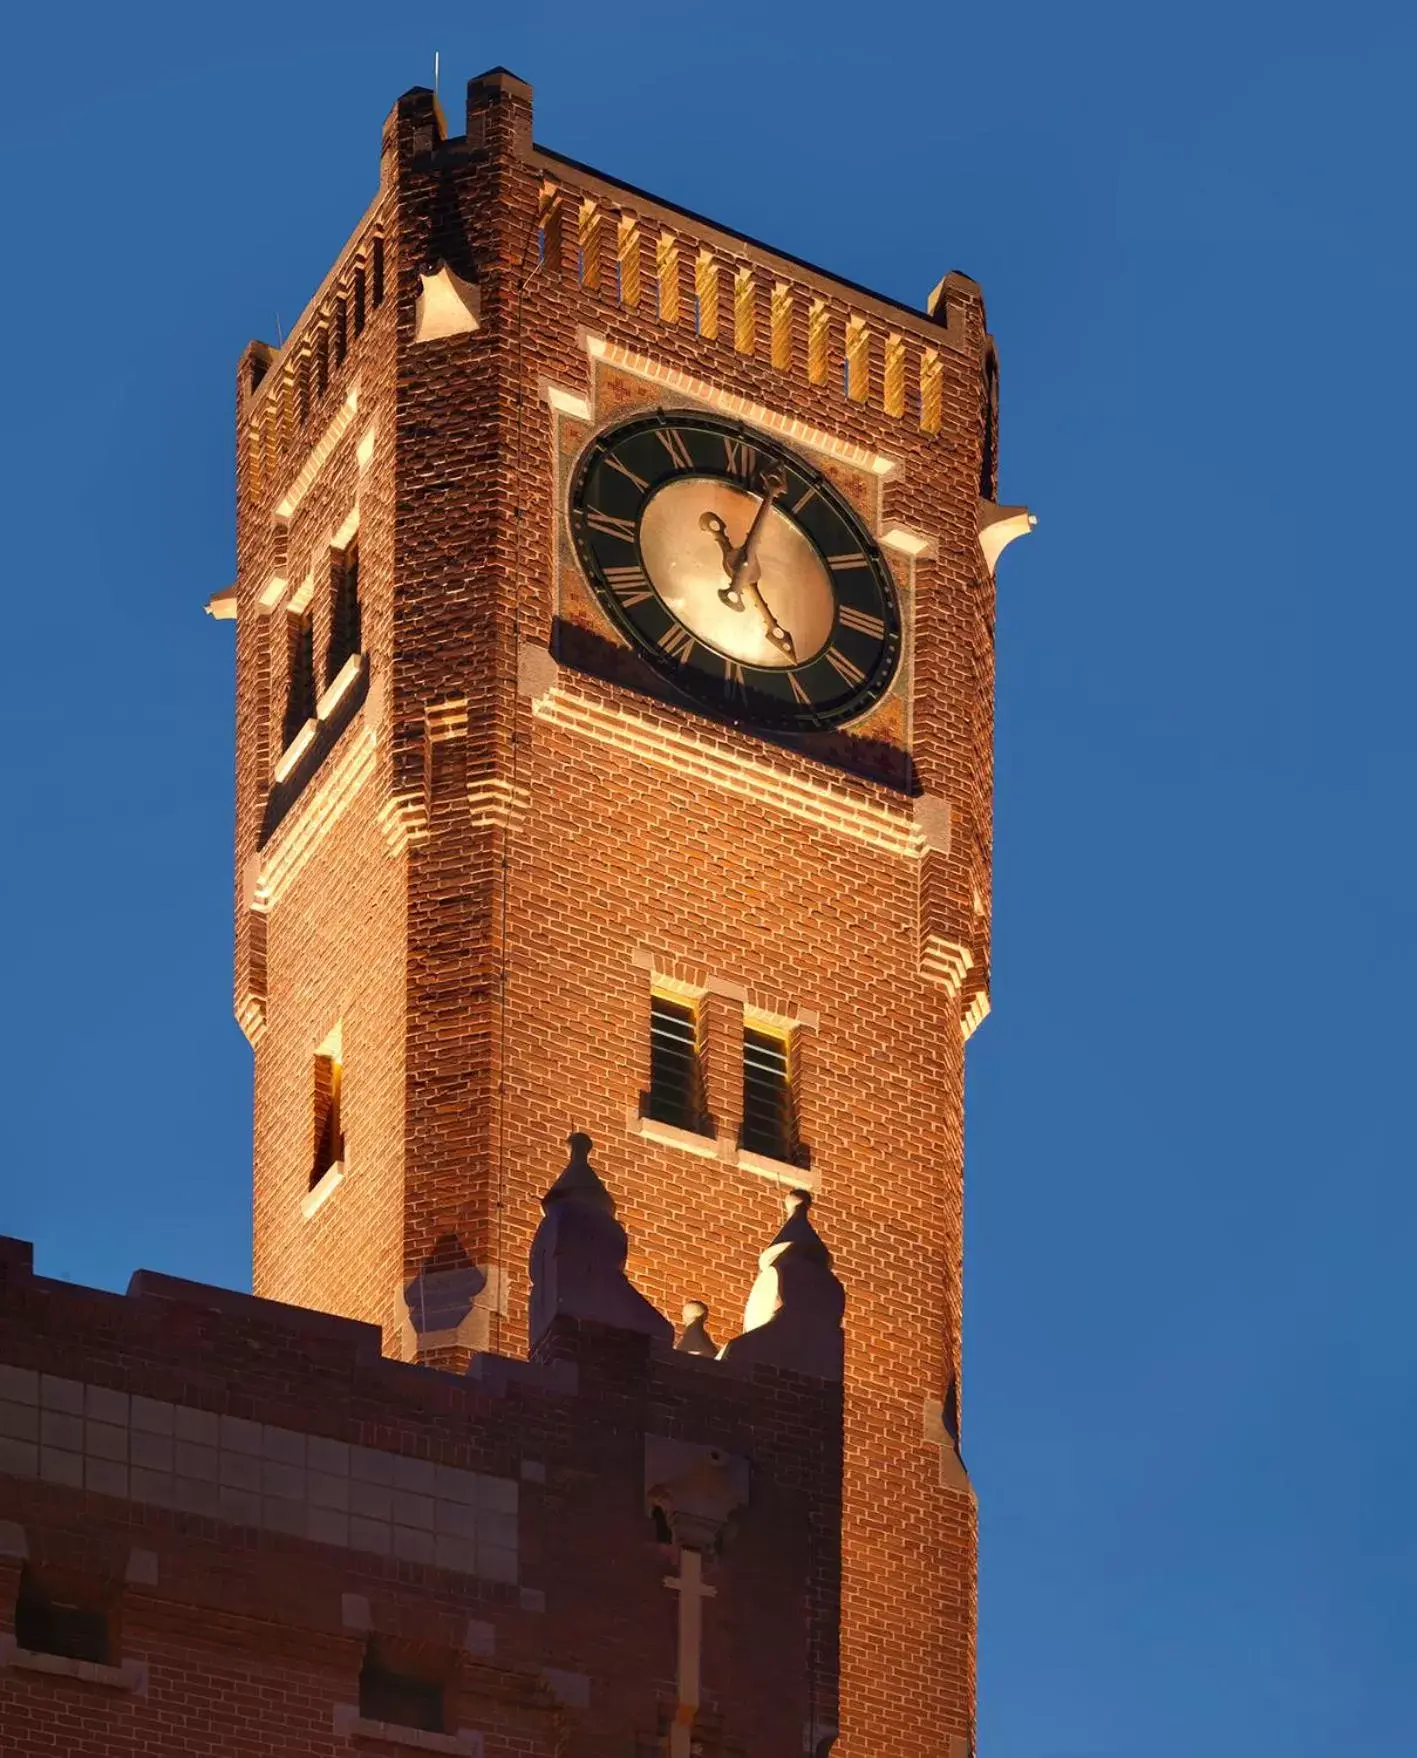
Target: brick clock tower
x=615, y=628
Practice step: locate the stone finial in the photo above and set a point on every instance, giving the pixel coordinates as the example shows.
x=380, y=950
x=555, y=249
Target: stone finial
x=578, y=1256
x=695, y=1339
x=580, y=1182
x=449, y=1303
x=794, y=1311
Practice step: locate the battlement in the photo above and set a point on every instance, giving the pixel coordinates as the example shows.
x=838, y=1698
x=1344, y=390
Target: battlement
x=631, y=253
x=289, y=394
x=243, y=1491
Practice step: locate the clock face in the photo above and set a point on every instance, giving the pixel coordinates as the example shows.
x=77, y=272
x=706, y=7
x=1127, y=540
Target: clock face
x=738, y=571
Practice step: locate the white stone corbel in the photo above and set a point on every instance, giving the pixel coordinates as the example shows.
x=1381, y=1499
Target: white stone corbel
x=446, y=306
x=999, y=526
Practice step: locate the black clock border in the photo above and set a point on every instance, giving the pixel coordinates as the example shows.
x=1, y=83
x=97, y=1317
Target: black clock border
x=759, y=701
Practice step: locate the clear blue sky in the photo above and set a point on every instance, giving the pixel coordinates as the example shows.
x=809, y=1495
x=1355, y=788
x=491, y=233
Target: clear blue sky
x=1192, y=1347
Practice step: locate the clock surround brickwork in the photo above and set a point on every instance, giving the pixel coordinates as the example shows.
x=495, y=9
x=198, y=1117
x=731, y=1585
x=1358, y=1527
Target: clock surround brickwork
x=477, y=910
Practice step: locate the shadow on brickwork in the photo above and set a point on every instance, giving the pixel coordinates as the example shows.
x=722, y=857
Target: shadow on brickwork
x=748, y=1510
x=877, y=760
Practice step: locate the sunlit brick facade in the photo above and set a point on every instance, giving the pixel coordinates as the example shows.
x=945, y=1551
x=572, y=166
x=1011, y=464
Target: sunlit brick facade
x=477, y=837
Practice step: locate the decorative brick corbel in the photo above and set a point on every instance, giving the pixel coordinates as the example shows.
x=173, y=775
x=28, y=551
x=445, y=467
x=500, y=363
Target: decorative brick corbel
x=976, y=1011
x=947, y=962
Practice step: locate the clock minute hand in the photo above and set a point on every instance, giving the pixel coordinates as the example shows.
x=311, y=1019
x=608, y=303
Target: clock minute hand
x=738, y=559
x=740, y=563
x=747, y=572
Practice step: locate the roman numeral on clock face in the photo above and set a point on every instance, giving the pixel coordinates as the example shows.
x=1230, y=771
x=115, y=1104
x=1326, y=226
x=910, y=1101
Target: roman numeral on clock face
x=630, y=585
x=843, y=666
x=645, y=495
x=673, y=443
x=742, y=459
x=862, y=621
x=678, y=643
x=607, y=523
x=626, y=471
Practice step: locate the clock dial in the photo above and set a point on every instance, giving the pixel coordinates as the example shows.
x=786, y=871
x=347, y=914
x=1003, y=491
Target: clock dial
x=737, y=569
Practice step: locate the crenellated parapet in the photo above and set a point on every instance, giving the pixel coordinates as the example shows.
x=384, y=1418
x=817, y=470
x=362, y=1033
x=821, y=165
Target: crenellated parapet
x=206, y=1482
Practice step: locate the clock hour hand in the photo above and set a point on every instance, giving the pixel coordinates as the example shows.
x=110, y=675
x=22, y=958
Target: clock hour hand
x=741, y=564
x=732, y=555
x=779, y=637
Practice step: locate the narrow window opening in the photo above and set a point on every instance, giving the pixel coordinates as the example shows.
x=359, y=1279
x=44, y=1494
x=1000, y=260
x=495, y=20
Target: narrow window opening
x=769, y=1122
x=745, y=312
x=300, y=673
x=341, y=329
x=893, y=387
x=817, y=337
x=858, y=360
x=398, y=1692
x=676, y=1065
x=359, y=299
x=69, y=1623
x=549, y=234
x=931, y=391
x=666, y=267
x=287, y=408
x=628, y=261
x=588, y=245
x=346, y=618
x=781, y=319
x=329, y=1123
x=322, y=357
x=377, y=265
x=989, y=456
x=706, y=295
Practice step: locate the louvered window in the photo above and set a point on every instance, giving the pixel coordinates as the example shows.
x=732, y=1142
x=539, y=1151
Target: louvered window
x=675, y=1074
x=768, y=1122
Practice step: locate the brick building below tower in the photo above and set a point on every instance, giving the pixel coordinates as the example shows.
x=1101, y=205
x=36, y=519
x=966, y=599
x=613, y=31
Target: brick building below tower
x=230, y=1527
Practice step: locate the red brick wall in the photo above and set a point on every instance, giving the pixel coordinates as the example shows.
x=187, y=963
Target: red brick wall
x=493, y=974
